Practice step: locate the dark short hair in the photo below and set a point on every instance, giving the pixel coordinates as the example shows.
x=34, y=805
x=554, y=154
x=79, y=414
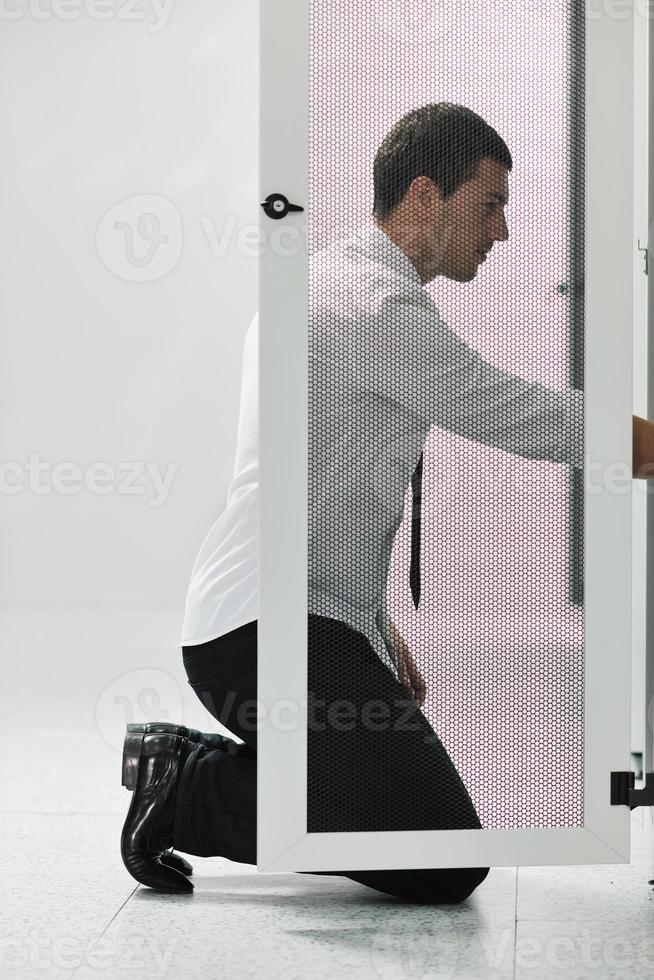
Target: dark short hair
x=442, y=141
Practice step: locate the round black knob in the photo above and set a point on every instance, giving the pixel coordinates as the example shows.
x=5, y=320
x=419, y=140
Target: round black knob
x=277, y=206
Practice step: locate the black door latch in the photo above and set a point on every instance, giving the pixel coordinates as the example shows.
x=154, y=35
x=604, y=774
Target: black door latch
x=277, y=206
x=624, y=794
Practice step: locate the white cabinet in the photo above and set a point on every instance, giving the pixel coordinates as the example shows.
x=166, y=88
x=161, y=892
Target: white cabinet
x=523, y=630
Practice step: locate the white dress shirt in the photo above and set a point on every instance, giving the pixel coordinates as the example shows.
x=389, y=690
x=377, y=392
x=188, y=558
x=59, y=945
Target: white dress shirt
x=222, y=592
x=383, y=369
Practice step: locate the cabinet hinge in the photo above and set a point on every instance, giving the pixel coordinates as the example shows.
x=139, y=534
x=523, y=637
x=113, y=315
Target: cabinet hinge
x=624, y=794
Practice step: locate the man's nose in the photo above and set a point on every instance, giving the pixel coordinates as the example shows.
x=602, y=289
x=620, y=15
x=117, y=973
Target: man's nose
x=501, y=230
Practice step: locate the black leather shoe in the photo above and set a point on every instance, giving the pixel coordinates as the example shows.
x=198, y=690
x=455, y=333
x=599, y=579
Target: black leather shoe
x=170, y=858
x=151, y=768
x=131, y=756
x=210, y=739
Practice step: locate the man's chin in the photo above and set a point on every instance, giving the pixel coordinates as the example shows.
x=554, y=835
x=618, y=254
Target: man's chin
x=461, y=276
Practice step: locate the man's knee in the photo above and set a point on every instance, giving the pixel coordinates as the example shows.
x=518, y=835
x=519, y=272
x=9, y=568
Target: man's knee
x=467, y=880
x=450, y=886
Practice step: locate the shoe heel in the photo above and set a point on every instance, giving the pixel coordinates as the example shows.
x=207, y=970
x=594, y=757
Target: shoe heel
x=160, y=727
x=131, y=757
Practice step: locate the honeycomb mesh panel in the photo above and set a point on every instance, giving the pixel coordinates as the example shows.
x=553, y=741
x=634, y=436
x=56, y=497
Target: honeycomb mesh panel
x=403, y=316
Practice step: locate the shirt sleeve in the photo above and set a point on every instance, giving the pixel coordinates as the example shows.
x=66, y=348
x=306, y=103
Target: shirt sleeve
x=431, y=372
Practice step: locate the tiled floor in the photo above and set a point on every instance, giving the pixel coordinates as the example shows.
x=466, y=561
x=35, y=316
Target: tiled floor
x=71, y=910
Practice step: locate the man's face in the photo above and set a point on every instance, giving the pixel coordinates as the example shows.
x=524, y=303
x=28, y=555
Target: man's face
x=468, y=224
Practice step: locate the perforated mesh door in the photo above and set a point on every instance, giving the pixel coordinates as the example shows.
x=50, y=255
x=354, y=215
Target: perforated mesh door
x=399, y=310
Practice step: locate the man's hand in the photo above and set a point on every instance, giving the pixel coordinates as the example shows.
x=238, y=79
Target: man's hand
x=410, y=676
x=643, y=449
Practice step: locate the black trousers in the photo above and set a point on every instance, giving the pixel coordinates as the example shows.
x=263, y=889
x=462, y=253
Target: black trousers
x=374, y=761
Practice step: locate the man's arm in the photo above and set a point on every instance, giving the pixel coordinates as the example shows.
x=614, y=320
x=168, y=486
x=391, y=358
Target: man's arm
x=643, y=469
x=643, y=449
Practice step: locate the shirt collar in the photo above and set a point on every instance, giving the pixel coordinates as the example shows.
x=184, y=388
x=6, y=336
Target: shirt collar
x=379, y=246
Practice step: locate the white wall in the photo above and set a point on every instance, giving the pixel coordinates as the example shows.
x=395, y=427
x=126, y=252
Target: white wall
x=95, y=365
